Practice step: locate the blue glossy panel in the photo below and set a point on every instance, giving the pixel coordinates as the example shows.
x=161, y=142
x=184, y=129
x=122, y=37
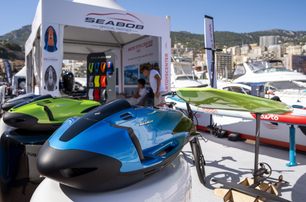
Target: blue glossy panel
x=157, y=152
x=104, y=139
x=150, y=126
x=153, y=128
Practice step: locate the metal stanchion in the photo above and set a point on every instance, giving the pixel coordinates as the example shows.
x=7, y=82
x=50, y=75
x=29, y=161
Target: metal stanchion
x=292, y=152
x=257, y=142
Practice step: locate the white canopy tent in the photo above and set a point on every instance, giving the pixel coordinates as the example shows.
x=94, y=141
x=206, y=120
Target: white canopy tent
x=22, y=72
x=105, y=3
x=65, y=29
x=18, y=78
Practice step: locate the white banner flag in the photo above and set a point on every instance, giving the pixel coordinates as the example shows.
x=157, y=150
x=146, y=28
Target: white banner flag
x=52, y=57
x=209, y=41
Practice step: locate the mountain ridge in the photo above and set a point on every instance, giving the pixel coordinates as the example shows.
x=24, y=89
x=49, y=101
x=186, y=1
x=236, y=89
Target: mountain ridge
x=18, y=36
x=190, y=40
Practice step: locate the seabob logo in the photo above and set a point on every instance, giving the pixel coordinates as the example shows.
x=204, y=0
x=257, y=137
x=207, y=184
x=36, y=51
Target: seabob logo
x=116, y=20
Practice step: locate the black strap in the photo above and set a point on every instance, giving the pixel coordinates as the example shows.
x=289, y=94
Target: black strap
x=49, y=113
x=134, y=140
x=94, y=116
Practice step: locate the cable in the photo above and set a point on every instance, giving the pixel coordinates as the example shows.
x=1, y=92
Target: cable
x=196, y=118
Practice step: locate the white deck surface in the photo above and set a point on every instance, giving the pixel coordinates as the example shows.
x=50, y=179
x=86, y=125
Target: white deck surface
x=234, y=161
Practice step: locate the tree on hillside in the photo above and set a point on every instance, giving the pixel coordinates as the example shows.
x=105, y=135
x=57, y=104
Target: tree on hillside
x=13, y=46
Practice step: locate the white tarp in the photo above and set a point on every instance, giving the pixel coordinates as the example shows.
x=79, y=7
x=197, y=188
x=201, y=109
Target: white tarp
x=52, y=58
x=88, y=16
x=82, y=29
x=19, y=75
x=141, y=51
x=22, y=72
x=105, y=3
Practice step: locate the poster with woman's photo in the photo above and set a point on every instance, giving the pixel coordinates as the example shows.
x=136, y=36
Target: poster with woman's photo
x=50, y=79
x=131, y=75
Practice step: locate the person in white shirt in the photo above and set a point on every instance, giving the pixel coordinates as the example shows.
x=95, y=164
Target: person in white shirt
x=2, y=93
x=141, y=93
x=156, y=84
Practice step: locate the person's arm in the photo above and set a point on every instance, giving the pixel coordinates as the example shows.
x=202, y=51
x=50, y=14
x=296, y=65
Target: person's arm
x=158, y=82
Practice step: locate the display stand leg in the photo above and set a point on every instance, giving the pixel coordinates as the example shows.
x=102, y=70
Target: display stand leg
x=257, y=142
x=292, y=152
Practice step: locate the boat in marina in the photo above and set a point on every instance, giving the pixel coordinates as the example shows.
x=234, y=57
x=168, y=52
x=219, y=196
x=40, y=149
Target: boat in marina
x=290, y=92
x=268, y=80
x=182, y=75
x=234, y=87
x=259, y=71
x=275, y=127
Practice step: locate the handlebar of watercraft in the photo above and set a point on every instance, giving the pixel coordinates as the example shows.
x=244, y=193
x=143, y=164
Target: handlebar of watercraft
x=169, y=93
x=33, y=100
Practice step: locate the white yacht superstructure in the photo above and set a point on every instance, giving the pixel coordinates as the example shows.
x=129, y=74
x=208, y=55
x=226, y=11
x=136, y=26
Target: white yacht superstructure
x=288, y=85
x=182, y=75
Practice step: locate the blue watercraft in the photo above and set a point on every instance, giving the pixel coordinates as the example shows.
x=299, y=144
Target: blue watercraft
x=113, y=146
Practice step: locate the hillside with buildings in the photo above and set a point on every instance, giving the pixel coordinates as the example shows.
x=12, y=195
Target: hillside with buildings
x=288, y=46
x=12, y=48
x=12, y=52
x=190, y=40
x=227, y=39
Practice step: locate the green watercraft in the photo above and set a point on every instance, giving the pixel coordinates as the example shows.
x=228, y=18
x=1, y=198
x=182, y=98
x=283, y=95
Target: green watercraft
x=47, y=114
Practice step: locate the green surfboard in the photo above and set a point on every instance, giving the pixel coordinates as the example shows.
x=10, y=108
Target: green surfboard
x=220, y=99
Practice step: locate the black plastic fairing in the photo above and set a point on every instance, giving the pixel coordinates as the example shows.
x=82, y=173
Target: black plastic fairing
x=83, y=169
x=32, y=100
x=27, y=122
x=135, y=141
x=93, y=117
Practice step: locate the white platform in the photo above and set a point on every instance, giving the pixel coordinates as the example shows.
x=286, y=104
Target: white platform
x=172, y=184
x=226, y=160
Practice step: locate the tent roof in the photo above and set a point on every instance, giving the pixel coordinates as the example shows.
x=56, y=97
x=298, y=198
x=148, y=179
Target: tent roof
x=78, y=31
x=79, y=42
x=97, y=37
x=102, y=3
x=22, y=72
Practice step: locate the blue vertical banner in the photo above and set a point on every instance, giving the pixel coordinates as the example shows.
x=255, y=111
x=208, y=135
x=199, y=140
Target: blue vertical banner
x=209, y=40
x=8, y=71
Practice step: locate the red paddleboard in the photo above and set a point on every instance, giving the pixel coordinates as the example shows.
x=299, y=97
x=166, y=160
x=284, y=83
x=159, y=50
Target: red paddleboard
x=296, y=117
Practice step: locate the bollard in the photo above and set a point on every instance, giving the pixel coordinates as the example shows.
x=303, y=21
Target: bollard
x=292, y=152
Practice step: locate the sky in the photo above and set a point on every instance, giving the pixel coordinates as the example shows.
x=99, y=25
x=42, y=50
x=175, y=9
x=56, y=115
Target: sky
x=187, y=15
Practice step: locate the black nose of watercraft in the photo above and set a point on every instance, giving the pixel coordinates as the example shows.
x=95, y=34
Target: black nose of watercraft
x=19, y=120
x=58, y=164
x=80, y=169
x=7, y=106
x=27, y=122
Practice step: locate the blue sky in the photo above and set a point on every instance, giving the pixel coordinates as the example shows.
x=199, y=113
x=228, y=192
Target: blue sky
x=187, y=15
